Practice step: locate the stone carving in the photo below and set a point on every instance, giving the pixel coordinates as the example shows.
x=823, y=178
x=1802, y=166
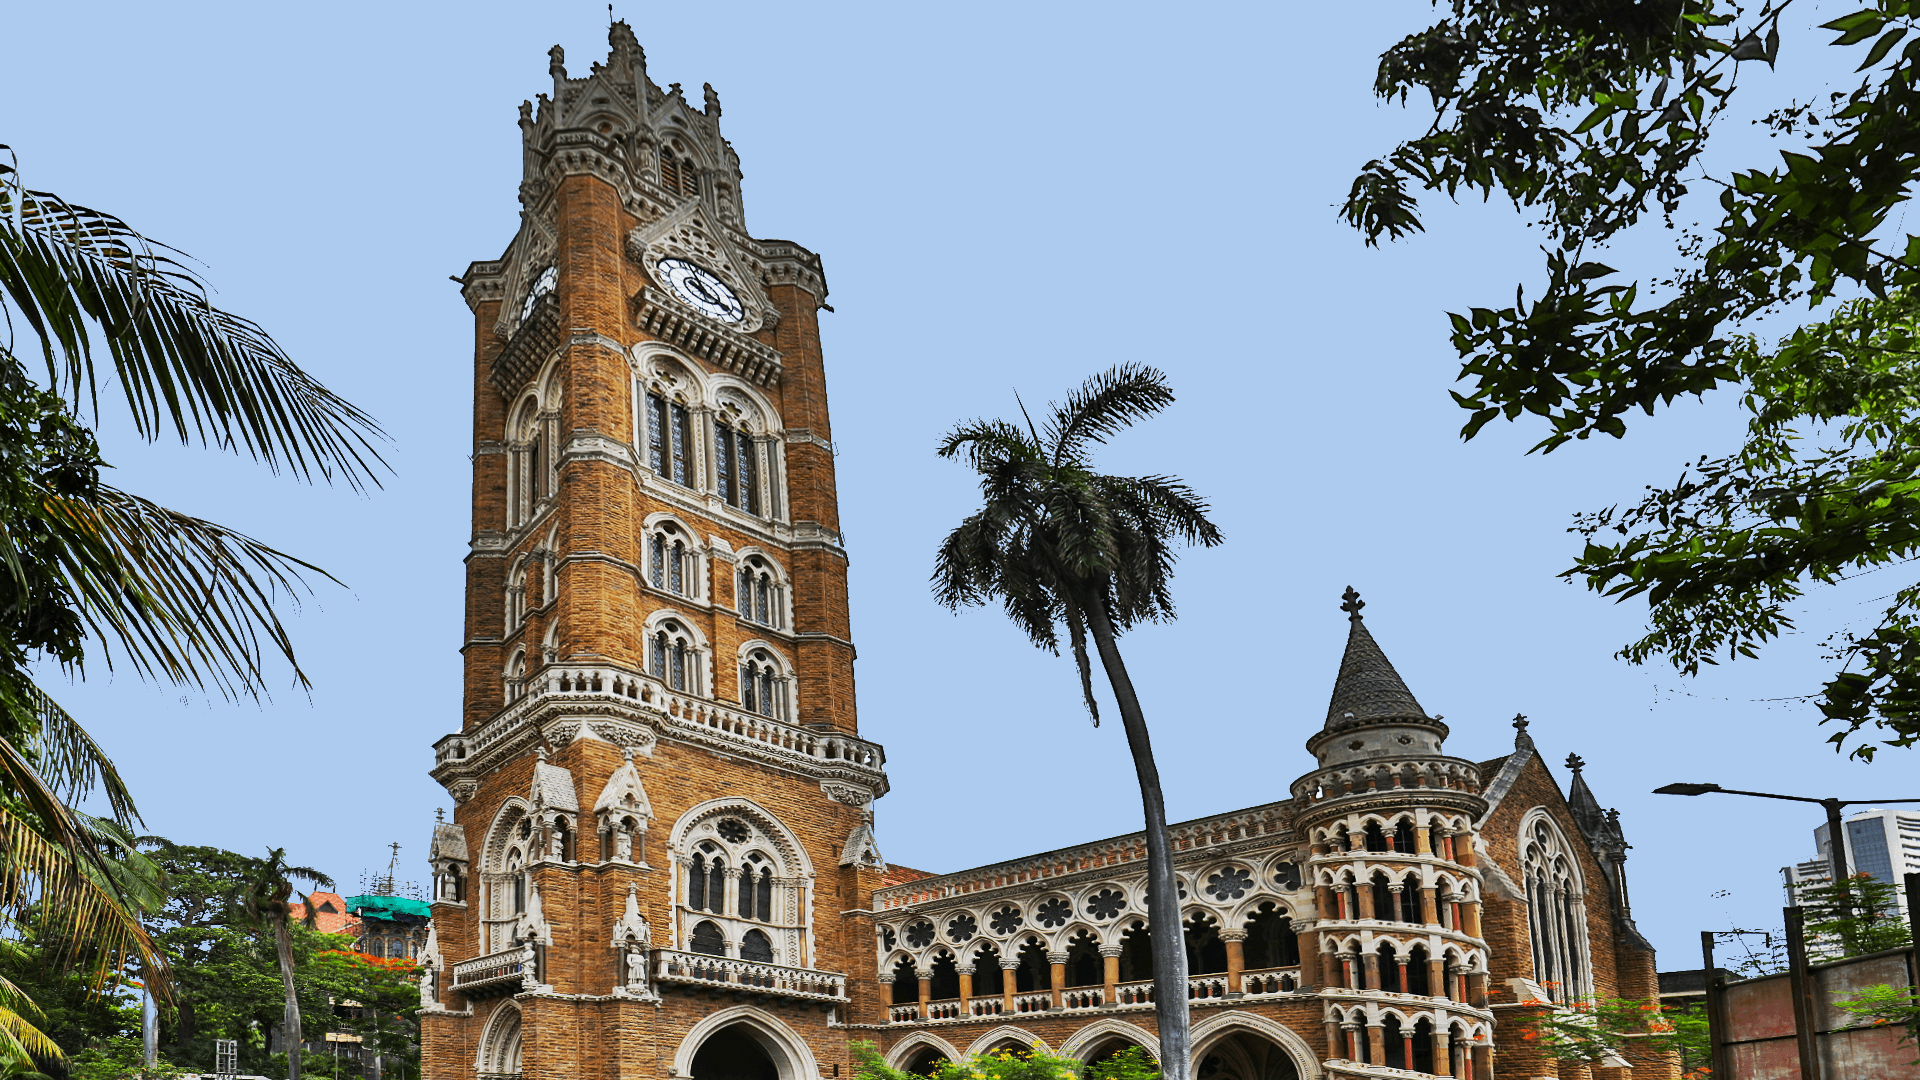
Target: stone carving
x=850, y=794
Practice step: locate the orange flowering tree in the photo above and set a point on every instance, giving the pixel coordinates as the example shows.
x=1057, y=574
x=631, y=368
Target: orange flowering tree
x=377, y=999
x=1601, y=1031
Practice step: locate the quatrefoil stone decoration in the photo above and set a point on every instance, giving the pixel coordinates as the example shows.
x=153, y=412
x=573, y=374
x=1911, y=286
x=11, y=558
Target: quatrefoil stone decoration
x=920, y=934
x=1006, y=920
x=1229, y=884
x=1106, y=903
x=1053, y=912
x=961, y=928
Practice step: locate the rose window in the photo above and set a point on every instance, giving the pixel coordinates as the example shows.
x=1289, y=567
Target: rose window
x=1229, y=884
x=734, y=831
x=961, y=928
x=920, y=934
x=1006, y=920
x=1106, y=903
x=1053, y=912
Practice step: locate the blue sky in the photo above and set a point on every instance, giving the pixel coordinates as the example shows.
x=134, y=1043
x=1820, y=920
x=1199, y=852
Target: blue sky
x=1006, y=196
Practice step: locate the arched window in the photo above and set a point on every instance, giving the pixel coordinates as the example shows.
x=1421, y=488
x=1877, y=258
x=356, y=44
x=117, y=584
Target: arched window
x=763, y=685
x=674, y=658
x=757, y=947
x=1556, y=912
x=669, y=439
x=519, y=875
x=756, y=889
x=677, y=173
x=528, y=464
x=757, y=593
x=736, y=467
x=516, y=678
x=707, y=940
x=672, y=565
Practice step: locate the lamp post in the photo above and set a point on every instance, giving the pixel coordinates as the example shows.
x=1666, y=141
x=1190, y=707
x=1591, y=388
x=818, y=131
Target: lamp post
x=1836, y=833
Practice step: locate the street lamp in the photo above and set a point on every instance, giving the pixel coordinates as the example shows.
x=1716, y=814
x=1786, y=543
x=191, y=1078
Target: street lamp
x=1837, y=858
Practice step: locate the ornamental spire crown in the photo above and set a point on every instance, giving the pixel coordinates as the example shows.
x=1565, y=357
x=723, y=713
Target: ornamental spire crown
x=1372, y=713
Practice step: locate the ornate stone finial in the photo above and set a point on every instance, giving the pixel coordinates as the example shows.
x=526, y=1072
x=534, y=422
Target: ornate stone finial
x=1521, y=740
x=542, y=751
x=1575, y=762
x=713, y=100
x=557, y=62
x=626, y=754
x=439, y=814
x=526, y=113
x=674, y=89
x=1351, y=603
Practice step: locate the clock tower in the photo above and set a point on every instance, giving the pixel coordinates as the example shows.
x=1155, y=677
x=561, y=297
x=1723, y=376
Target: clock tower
x=662, y=840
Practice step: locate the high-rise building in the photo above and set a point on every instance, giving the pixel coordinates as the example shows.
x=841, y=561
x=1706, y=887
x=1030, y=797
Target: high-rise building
x=662, y=859
x=1884, y=844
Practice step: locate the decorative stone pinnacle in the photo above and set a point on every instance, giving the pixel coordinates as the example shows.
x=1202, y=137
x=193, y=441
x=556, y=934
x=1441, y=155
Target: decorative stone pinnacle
x=439, y=813
x=1351, y=603
x=1521, y=740
x=626, y=754
x=542, y=751
x=1575, y=762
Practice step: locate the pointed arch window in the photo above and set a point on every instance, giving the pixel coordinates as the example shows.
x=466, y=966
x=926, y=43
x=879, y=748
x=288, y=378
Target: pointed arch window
x=669, y=440
x=763, y=685
x=707, y=940
x=757, y=947
x=670, y=562
x=734, y=467
x=1556, y=912
x=757, y=594
x=674, y=659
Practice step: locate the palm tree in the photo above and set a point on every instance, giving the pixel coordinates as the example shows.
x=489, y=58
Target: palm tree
x=268, y=906
x=169, y=595
x=1058, y=543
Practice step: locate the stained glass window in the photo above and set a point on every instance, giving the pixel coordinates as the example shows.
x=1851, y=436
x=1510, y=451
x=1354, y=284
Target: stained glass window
x=660, y=655
x=716, y=887
x=744, y=474
x=708, y=941
x=723, y=461
x=657, y=434
x=756, y=947
x=681, y=442
x=697, y=883
x=676, y=569
x=765, y=907
x=679, y=665
x=658, y=559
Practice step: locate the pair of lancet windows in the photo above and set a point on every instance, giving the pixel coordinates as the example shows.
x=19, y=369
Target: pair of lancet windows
x=678, y=174
x=707, y=885
x=763, y=686
x=670, y=442
x=670, y=564
x=673, y=658
x=757, y=595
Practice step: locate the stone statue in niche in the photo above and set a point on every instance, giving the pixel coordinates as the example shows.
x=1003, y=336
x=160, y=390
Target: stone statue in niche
x=623, y=844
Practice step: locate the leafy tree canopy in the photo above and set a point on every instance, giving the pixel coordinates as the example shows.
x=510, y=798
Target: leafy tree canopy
x=1593, y=119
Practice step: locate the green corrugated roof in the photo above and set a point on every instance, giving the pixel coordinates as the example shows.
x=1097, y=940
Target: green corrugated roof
x=390, y=907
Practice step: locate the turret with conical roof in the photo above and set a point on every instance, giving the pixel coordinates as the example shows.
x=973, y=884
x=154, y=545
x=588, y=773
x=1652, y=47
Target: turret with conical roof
x=1373, y=714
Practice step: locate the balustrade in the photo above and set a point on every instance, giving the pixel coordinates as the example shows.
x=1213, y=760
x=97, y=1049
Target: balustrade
x=986, y=1006
x=501, y=970
x=1270, y=981
x=903, y=1014
x=701, y=969
x=944, y=1010
x=1082, y=997
x=1206, y=987
x=1134, y=993
x=1028, y=1003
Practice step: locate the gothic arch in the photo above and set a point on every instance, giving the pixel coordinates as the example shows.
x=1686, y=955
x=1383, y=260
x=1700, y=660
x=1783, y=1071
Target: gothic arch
x=499, y=1054
x=1212, y=1030
x=788, y=1050
x=903, y=1052
x=1089, y=1038
x=1004, y=1032
x=793, y=857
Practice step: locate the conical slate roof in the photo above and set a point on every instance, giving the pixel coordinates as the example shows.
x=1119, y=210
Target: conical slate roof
x=1367, y=688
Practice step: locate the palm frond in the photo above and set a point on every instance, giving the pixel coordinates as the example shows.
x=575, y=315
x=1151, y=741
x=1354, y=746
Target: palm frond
x=20, y=1041
x=76, y=903
x=180, y=597
x=1103, y=406
x=72, y=765
x=210, y=376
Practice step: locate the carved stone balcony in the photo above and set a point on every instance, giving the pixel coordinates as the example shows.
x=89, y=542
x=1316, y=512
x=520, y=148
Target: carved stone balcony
x=494, y=975
x=1127, y=995
x=720, y=972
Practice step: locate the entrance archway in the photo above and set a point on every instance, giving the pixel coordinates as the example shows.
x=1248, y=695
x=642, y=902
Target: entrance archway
x=1247, y=1046
x=499, y=1057
x=744, y=1043
x=732, y=1053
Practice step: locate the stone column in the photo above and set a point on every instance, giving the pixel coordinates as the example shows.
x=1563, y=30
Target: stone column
x=1477, y=989
x=1377, y=1043
x=1422, y=845
x=1471, y=923
x=1481, y=1055
x=1395, y=891
x=1323, y=902
x=1457, y=982
x=926, y=991
x=1333, y=1039
x=1429, y=906
x=1463, y=847
x=1402, y=960
x=1364, y=891
x=1442, y=1053
x=1353, y=1040
x=1057, y=975
x=1370, y=961
x=1436, y=978
x=1309, y=940
x=1110, y=970
x=1008, y=970
x=1236, y=942
x=966, y=990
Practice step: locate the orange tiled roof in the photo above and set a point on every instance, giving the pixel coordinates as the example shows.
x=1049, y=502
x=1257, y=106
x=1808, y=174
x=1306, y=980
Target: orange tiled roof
x=900, y=875
x=333, y=917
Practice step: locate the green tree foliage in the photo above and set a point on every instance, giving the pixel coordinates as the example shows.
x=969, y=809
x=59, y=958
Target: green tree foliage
x=1864, y=917
x=1883, y=1005
x=91, y=572
x=1060, y=544
x=1603, y=1032
x=1133, y=1063
x=1592, y=119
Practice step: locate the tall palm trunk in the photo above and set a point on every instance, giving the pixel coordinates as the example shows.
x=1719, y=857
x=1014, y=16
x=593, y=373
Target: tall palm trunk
x=290, y=1024
x=1163, y=899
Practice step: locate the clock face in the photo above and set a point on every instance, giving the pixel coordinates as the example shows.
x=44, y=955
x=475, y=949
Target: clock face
x=700, y=288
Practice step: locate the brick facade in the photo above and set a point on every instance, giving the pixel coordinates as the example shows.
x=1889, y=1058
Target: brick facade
x=662, y=844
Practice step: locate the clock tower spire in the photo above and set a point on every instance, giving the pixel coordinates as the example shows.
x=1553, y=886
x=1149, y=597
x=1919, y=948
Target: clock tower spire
x=660, y=787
